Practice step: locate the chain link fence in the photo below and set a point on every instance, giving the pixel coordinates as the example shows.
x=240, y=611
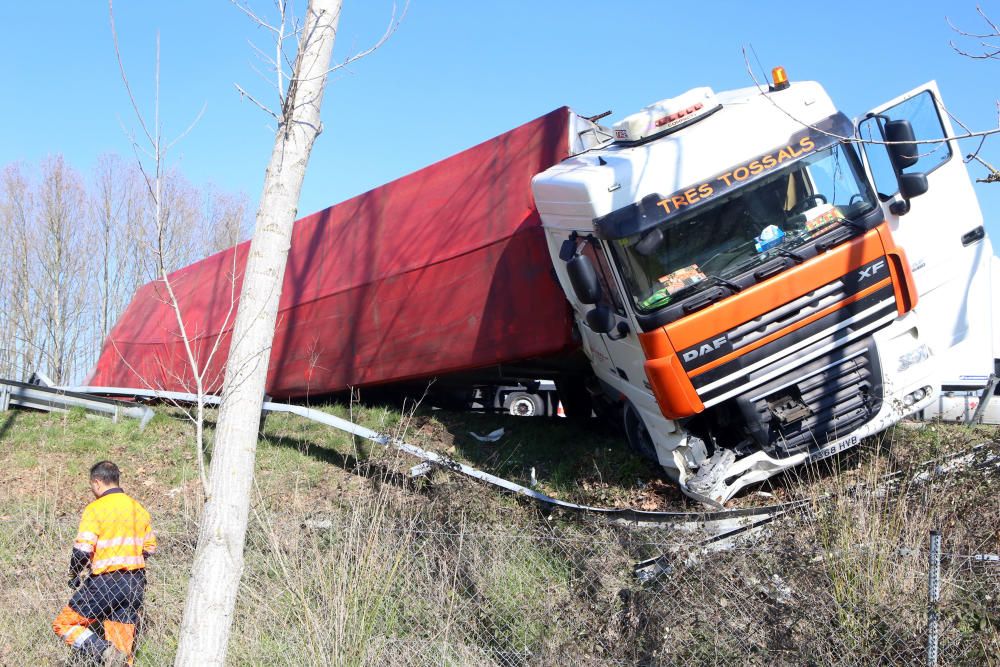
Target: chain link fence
x=387, y=581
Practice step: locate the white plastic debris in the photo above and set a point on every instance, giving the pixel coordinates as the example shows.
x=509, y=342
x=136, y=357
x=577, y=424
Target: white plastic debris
x=490, y=437
x=421, y=469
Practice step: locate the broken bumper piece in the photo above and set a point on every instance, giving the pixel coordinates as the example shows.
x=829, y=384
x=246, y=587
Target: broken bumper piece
x=722, y=476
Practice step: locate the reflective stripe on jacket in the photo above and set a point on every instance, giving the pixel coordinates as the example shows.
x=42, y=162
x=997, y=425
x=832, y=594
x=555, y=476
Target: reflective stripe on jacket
x=115, y=530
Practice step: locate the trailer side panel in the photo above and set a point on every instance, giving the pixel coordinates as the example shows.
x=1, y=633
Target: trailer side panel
x=443, y=270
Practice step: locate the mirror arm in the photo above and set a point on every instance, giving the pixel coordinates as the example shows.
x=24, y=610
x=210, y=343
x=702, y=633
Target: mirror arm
x=880, y=119
x=900, y=207
x=622, y=330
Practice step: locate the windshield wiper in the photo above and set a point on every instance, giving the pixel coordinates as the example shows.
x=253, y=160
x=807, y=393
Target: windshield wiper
x=794, y=256
x=716, y=280
x=853, y=224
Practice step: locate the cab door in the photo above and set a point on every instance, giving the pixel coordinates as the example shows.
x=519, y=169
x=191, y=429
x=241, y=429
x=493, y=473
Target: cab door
x=942, y=234
x=617, y=353
x=623, y=341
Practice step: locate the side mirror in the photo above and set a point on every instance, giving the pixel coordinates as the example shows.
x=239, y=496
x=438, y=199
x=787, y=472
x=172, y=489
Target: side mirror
x=902, y=147
x=904, y=153
x=912, y=185
x=601, y=319
x=583, y=277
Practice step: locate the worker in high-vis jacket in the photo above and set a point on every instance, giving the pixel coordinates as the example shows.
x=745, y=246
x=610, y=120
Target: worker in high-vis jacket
x=113, y=542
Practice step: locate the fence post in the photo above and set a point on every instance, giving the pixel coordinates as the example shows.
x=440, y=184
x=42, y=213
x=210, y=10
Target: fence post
x=933, y=595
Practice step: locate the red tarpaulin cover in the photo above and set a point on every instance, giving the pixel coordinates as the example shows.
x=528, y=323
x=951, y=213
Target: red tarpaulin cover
x=443, y=270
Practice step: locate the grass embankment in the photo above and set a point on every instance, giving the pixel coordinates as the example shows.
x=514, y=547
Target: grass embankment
x=350, y=562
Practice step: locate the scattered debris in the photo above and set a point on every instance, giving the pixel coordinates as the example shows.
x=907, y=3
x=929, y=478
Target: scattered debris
x=493, y=436
x=421, y=469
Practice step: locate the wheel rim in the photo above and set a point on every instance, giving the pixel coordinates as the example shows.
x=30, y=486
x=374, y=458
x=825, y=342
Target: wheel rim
x=522, y=407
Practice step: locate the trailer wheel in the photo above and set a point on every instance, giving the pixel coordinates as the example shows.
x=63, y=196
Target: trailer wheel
x=637, y=435
x=523, y=404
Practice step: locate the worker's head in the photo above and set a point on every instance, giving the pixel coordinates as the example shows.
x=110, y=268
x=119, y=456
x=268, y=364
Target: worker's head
x=104, y=475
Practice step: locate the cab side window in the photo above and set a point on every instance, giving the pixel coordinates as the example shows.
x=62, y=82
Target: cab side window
x=609, y=290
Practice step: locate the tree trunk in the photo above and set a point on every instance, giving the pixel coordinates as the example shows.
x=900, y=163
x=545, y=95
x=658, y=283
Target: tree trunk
x=218, y=564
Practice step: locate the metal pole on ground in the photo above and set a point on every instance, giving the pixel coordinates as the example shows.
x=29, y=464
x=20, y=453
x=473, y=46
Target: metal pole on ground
x=933, y=596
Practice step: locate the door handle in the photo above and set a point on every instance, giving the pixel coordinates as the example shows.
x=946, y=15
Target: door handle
x=977, y=234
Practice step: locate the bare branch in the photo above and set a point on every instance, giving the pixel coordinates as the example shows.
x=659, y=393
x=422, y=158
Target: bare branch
x=992, y=177
x=189, y=127
x=985, y=55
x=253, y=17
x=990, y=51
x=250, y=97
x=389, y=32
x=121, y=68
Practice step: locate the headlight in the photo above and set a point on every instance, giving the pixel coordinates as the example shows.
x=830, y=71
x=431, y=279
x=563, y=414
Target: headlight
x=916, y=396
x=922, y=353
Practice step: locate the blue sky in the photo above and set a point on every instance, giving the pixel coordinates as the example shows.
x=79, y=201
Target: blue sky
x=456, y=73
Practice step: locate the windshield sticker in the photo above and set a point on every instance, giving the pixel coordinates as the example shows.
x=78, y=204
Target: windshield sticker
x=830, y=215
x=681, y=278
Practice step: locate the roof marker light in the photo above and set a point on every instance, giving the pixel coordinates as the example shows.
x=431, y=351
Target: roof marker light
x=780, y=78
x=666, y=116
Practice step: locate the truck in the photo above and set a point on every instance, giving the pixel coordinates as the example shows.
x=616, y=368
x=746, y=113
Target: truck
x=748, y=280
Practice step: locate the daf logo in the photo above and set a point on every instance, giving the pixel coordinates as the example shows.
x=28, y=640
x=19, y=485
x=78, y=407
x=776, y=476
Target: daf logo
x=870, y=271
x=704, y=348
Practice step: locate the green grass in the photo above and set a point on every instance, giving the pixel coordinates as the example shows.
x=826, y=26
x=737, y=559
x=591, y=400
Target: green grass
x=348, y=562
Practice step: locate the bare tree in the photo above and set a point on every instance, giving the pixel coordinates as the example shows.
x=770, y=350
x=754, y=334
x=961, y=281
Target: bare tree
x=225, y=220
x=61, y=286
x=118, y=210
x=176, y=231
x=21, y=351
x=174, y=207
x=75, y=252
x=218, y=565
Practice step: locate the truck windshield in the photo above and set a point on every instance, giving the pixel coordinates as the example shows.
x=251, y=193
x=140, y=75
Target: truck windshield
x=726, y=237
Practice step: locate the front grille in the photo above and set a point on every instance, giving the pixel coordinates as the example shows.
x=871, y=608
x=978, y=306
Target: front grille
x=788, y=314
x=821, y=401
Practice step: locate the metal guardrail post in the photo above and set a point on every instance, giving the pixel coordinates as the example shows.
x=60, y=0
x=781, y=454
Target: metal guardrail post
x=984, y=400
x=933, y=597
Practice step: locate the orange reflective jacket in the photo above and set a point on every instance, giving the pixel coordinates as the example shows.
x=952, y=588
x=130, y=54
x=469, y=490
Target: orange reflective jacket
x=115, y=531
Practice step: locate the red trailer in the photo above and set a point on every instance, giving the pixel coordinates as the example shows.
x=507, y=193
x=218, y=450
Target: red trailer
x=441, y=271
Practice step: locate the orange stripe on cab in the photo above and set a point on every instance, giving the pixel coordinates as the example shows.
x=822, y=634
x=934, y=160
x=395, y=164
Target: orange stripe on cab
x=789, y=329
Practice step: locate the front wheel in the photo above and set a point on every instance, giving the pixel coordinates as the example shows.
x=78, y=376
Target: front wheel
x=637, y=434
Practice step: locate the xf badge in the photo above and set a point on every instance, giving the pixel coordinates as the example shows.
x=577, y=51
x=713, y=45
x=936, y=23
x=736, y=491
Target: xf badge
x=870, y=270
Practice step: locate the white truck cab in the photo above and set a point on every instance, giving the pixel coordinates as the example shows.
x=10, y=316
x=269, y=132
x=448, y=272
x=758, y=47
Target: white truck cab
x=753, y=285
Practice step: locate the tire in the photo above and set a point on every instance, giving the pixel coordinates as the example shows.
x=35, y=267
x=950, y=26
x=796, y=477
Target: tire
x=523, y=404
x=639, y=440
